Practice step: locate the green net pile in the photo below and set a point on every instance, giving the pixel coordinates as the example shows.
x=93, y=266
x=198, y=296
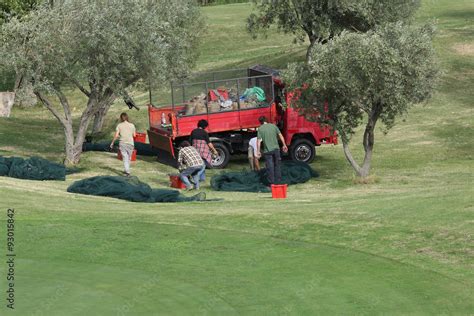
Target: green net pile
x=33, y=168
x=292, y=172
x=130, y=189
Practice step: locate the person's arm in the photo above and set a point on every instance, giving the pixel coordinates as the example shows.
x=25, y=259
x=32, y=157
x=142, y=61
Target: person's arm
x=285, y=149
x=116, y=136
x=259, y=144
x=180, y=161
x=134, y=131
x=211, y=145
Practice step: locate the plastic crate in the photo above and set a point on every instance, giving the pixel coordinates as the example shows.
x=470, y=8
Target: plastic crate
x=279, y=191
x=175, y=182
x=134, y=155
x=140, y=138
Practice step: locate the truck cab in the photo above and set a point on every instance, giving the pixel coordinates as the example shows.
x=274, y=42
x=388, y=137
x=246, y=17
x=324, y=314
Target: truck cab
x=232, y=101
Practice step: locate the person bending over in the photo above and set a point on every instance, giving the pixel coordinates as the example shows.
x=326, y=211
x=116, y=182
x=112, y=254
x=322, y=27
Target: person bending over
x=269, y=134
x=190, y=164
x=125, y=131
x=252, y=155
x=200, y=140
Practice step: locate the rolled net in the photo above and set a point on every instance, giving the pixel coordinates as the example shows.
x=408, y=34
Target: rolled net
x=33, y=168
x=292, y=172
x=130, y=189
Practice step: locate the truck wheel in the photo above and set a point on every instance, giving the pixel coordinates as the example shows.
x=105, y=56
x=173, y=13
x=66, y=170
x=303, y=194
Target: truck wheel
x=302, y=150
x=223, y=156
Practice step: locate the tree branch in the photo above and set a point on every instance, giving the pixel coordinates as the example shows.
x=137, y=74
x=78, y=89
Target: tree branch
x=64, y=103
x=131, y=81
x=80, y=87
x=50, y=107
x=349, y=157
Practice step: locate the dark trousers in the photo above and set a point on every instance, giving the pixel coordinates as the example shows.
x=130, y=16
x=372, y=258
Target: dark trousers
x=273, y=165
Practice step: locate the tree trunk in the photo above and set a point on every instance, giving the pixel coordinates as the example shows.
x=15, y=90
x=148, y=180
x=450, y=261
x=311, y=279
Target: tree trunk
x=6, y=103
x=99, y=116
x=368, y=142
x=73, y=145
x=25, y=96
x=312, y=42
x=18, y=81
x=99, y=119
x=73, y=153
x=348, y=154
x=368, y=148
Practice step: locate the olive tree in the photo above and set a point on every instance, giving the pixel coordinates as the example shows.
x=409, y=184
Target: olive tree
x=16, y=8
x=364, y=78
x=319, y=20
x=99, y=48
x=9, y=9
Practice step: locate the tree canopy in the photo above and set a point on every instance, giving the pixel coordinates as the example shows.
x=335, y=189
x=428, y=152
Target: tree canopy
x=320, y=20
x=16, y=8
x=361, y=78
x=100, y=48
x=8, y=10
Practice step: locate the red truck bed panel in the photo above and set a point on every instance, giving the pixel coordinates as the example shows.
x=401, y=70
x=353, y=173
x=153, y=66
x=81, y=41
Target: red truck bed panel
x=222, y=121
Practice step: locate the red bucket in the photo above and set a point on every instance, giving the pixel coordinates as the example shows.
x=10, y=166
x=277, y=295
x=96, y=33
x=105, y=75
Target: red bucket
x=175, y=182
x=279, y=191
x=140, y=138
x=134, y=155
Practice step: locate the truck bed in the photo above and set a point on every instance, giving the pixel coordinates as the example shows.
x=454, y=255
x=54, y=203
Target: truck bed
x=177, y=125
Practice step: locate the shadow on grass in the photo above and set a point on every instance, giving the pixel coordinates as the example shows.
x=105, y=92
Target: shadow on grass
x=112, y=170
x=27, y=134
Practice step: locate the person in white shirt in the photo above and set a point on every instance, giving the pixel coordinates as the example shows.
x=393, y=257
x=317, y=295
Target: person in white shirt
x=252, y=155
x=125, y=131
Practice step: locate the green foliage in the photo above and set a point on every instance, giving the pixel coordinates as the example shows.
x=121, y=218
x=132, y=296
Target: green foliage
x=109, y=43
x=100, y=48
x=7, y=80
x=378, y=74
x=16, y=8
x=319, y=20
x=8, y=10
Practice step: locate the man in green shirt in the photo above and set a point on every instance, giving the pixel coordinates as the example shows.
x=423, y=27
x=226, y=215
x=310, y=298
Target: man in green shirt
x=269, y=134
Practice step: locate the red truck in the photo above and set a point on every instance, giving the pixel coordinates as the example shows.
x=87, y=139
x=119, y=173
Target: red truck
x=232, y=101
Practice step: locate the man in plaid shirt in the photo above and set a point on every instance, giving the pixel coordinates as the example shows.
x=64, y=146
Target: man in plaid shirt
x=190, y=164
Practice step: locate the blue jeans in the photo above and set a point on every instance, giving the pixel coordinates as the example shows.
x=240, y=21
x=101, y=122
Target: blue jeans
x=195, y=172
x=203, y=174
x=272, y=163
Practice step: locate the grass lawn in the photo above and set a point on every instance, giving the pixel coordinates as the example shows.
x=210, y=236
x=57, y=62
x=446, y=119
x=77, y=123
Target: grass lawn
x=400, y=245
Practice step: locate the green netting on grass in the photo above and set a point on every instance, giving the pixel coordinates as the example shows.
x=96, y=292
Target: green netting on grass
x=292, y=172
x=33, y=168
x=130, y=189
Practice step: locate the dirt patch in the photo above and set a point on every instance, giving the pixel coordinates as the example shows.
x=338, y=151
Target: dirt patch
x=464, y=49
x=8, y=148
x=427, y=142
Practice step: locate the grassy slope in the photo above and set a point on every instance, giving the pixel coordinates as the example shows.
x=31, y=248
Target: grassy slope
x=402, y=244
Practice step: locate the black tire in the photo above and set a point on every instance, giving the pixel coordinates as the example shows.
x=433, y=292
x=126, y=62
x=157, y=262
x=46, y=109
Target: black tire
x=302, y=150
x=223, y=157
